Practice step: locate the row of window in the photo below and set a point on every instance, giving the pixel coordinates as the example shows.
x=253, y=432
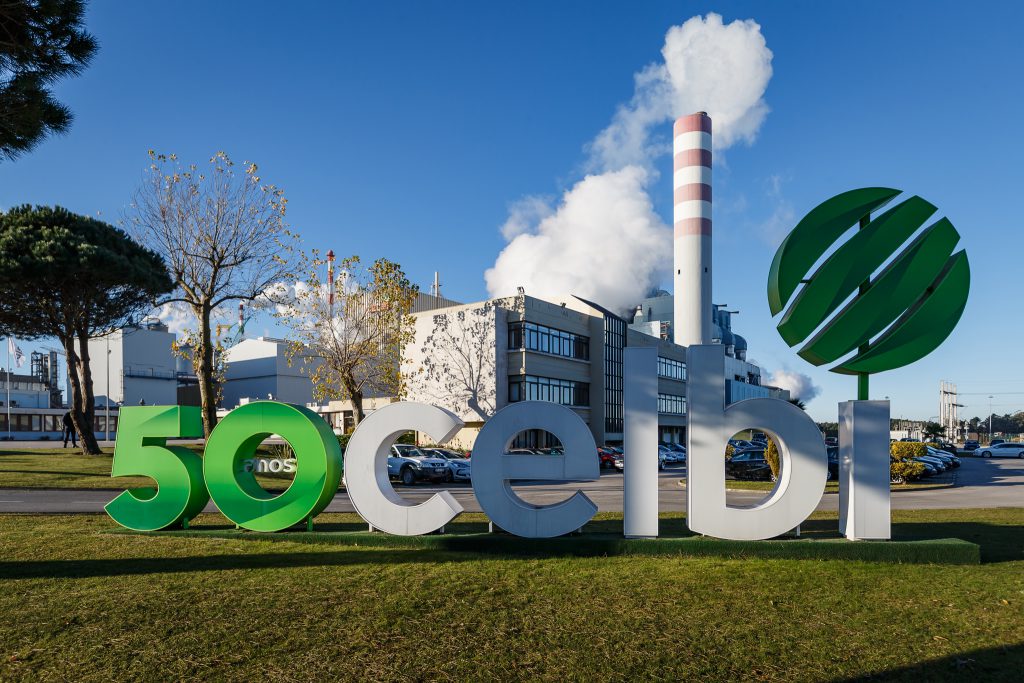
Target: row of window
x=564, y=391
x=670, y=404
x=672, y=369
x=534, y=337
x=614, y=343
x=47, y=423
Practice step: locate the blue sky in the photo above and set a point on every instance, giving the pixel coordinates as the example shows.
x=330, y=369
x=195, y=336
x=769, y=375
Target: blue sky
x=408, y=130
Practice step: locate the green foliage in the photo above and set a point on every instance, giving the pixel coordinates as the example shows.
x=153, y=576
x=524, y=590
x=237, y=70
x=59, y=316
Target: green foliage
x=73, y=277
x=902, y=450
x=62, y=273
x=351, y=345
x=41, y=41
x=905, y=470
x=729, y=450
x=771, y=454
x=343, y=440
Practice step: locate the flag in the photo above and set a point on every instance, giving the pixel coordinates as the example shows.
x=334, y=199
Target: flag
x=15, y=350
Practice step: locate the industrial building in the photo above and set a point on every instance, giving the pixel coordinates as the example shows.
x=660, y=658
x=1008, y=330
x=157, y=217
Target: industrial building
x=134, y=366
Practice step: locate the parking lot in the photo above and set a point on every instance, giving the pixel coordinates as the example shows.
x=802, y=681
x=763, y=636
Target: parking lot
x=977, y=483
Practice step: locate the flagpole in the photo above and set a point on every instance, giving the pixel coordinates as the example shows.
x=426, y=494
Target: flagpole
x=9, y=342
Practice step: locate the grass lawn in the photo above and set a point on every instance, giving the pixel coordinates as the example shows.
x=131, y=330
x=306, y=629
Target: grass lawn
x=60, y=468
x=85, y=604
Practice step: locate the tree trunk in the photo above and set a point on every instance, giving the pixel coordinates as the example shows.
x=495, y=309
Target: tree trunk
x=356, y=396
x=82, y=402
x=202, y=361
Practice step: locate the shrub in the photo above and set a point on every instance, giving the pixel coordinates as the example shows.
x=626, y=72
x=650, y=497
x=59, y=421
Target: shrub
x=902, y=450
x=343, y=441
x=905, y=470
x=771, y=454
x=729, y=450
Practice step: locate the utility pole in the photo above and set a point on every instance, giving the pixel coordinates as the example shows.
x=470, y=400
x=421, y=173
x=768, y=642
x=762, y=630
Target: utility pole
x=990, y=420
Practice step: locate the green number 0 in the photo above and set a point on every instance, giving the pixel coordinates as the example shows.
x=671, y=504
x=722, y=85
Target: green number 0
x=142, y=450
x=236, y=492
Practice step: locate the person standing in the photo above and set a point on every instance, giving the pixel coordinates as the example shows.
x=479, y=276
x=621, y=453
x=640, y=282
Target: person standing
x=69, y=430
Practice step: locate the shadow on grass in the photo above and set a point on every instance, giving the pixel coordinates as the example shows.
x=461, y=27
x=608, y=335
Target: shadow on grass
x=998, y=542
x=990, y=664
x=81, y=569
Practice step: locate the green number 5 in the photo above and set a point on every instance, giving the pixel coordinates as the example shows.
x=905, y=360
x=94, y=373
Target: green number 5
x=142, y=450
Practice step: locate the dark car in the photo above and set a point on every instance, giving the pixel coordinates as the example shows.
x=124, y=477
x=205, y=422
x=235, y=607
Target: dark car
x=833, y=462
x=971, y=444
x=606, y=458
x=748, y=465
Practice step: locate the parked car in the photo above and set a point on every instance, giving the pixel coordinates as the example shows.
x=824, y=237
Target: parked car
x=619, y=459
x=939, y=463
x=522, y=451
x=748, y=465
x=951, y=459
x=409, y=465
x=458, y=466
x=671, y=455
x=606, y=458
x=971, y=445
x=930, y=469
x=831, y=441
x=741, y=444
x=833, y=462
x=908, y=439
x=679, y=450
x=1001, y=450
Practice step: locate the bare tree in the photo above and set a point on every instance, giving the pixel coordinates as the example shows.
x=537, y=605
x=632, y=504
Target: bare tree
x=456, y=363
x=354, y=331
x=223, y=236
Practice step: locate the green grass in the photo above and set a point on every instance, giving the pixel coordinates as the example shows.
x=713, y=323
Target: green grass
x=60, y=468
x=81, y=603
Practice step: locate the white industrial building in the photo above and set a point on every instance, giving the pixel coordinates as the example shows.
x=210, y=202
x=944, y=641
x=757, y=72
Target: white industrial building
x=258, y=369
x=134, y=366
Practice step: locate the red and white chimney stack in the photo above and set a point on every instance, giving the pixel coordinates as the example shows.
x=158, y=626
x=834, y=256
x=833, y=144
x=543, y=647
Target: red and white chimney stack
x=692, y=229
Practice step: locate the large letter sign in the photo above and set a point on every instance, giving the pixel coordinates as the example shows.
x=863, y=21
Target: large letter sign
x=366, y=469
x=236, y=491
x=803, y=470
x=493, y=470
x=141, y=449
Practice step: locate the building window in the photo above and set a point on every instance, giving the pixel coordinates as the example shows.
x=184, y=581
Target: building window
x=614, y=342
x=671, y=368
x=533, y=337
x=564, y=391
x=670, y=404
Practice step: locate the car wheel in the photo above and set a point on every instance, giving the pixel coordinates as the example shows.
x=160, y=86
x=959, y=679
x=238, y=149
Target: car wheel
x=449, y=477
x=986, y=454
x=408, y=476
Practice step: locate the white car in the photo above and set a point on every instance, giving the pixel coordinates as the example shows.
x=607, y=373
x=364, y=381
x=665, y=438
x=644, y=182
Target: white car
x=661, y=459
x=1001, y=450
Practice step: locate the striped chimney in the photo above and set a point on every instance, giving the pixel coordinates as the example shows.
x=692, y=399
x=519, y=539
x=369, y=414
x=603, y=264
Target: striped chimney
x=692, y=229
x=330, y=283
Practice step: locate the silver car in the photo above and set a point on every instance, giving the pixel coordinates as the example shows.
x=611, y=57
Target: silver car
x=1001, y=450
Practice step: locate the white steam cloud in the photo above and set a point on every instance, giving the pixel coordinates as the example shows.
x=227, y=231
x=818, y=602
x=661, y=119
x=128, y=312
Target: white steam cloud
x=602, y=240
x=799, y=385
x=554, y=258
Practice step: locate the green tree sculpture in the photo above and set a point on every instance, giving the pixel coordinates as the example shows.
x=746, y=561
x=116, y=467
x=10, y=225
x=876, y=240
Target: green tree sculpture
x=895, y=317
x=73, y=277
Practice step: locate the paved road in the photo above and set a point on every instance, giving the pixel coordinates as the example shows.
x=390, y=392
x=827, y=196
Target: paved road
x=978, y=483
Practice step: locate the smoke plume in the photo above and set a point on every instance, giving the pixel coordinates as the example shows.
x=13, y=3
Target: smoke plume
x=601, y=239
x=799, y=385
